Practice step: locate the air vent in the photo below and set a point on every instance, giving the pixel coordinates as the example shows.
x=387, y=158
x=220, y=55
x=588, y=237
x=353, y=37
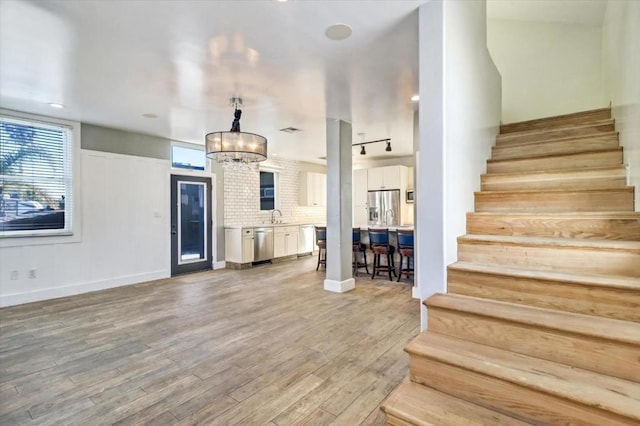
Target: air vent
x=291, y=130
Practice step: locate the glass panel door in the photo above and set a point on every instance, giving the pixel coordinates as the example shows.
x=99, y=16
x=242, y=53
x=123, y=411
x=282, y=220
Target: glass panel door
x=192, y=216
x=190, y=224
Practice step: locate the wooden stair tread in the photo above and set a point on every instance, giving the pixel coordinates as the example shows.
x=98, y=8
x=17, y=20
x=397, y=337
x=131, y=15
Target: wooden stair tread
x=560, y=128
x=560, y=174
x=609, y=281
x=570, y=323
x=604, y=214
x=633, y=246
x=551, y=121
x=423, y=406
x=547, y=156
x=601, y=136
x=527, y=191
x=588, y=388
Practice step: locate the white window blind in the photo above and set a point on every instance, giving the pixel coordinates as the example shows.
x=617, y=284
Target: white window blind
x=36, y=168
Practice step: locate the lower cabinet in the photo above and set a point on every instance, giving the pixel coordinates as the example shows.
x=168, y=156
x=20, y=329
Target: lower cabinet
x=285, y=241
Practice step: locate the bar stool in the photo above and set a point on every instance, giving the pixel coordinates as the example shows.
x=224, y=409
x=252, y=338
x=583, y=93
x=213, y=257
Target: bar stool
x=379, y=239
x=358, y=248
x=405, y=249
x=321, y=241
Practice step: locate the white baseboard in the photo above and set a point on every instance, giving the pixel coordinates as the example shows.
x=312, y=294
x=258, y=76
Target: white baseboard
x=219, y=265
x=415, y=293
x=340, y=286
x=74, y=289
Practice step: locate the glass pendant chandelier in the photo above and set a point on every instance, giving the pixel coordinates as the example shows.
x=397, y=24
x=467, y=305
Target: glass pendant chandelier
x=235, y=146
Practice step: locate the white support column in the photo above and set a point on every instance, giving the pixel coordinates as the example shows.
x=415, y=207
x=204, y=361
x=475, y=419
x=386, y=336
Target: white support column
x=339, y=246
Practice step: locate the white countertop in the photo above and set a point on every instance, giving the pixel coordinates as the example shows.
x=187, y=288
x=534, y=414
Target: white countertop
x=274, y=225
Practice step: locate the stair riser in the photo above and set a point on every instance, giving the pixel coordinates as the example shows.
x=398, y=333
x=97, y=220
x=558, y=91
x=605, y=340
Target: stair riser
x=552, y=258
x=545, y=135
x=577, y=140
x=552, y=148
x=394, y=421
x=544, y=226
x=599, y=355
x=506, y=184
x=565, y=162
x=572, y=119
x=505, y=397
x=556, y=202
x=570, y=297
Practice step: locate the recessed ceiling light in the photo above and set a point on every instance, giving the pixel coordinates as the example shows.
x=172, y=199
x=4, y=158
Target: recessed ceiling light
x=415, y=98
x=338, y=32
x=55, y=105
x=149, y=115
x=281, y=1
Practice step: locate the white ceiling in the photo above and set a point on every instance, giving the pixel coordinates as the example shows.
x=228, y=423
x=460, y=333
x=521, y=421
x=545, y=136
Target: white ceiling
x=585, y=12
x=110, y=62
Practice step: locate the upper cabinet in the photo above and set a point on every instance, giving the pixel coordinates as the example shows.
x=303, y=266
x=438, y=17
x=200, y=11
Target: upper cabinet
x=390, y=177
x=313, y=189
x=360, y=186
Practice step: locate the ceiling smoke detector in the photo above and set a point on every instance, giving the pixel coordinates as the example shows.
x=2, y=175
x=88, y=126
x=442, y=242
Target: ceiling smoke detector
x=291, y=130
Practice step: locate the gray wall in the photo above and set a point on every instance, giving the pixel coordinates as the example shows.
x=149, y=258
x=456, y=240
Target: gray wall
x=97, y=138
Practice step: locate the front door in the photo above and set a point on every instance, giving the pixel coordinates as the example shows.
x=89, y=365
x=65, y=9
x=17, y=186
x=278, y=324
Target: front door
x=190, y=224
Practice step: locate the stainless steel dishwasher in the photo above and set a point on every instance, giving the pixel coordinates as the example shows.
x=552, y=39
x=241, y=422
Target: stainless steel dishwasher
x=263, y=244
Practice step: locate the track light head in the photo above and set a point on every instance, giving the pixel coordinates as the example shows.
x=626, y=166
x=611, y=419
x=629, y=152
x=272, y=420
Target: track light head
x=362, y=150
x=388, y=148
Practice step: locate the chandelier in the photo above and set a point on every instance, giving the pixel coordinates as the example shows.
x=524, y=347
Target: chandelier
x=234, y=146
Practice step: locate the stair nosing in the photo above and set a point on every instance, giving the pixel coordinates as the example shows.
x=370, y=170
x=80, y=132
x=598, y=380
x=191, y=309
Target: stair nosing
x=513, y=375
x=602, y=281
x=561, y=320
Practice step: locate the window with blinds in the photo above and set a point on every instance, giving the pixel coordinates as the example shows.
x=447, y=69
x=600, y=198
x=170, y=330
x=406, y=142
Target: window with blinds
x=36, y=195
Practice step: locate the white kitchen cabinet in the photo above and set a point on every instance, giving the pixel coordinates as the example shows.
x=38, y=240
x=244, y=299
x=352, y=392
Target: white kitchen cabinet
x=306, y=236
x=360, y=215
x=313, y=189
x=360, y=186
x=238, y=245
x=389, y=177
x=285, y=241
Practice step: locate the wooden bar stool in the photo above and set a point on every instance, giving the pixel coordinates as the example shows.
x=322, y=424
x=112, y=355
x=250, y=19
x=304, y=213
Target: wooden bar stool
x=321, y=241
x=359, y=248
x=379, y=240
x=405, y=249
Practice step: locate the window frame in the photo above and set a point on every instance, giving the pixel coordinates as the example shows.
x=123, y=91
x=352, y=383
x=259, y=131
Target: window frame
x=276, y=188
x=53, y=236
x=189, y=170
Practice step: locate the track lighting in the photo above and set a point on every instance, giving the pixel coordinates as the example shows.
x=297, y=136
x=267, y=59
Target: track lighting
x=363, y=151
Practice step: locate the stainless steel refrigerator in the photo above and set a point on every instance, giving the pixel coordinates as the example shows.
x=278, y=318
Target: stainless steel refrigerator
x=384, y=208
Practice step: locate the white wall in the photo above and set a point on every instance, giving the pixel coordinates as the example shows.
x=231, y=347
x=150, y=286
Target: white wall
x=459, y=118
x=125, y=218
x=547, y=68
x=242, y=195
x=621, y=62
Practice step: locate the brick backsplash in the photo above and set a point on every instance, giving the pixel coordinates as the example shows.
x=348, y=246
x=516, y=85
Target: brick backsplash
x=242, y=195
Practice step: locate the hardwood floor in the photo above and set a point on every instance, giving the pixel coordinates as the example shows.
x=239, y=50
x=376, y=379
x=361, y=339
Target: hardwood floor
x=264, y=346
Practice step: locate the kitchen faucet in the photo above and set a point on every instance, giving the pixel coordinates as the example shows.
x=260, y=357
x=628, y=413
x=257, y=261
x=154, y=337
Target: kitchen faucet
x=273, y=220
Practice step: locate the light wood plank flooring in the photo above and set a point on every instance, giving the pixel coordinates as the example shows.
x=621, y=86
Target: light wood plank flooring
x=265, y=346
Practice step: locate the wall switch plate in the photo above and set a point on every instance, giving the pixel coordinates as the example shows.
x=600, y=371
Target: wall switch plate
x=32, y=273
x=14, y=275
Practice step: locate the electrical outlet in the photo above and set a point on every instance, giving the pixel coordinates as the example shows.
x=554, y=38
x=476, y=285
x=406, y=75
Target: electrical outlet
x=14, y=275
x=32, y=273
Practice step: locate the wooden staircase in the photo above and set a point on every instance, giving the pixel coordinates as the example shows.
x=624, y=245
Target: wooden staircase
x=541, y=322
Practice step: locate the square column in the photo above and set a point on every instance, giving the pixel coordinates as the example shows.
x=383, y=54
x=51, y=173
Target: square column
x=339, y=225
